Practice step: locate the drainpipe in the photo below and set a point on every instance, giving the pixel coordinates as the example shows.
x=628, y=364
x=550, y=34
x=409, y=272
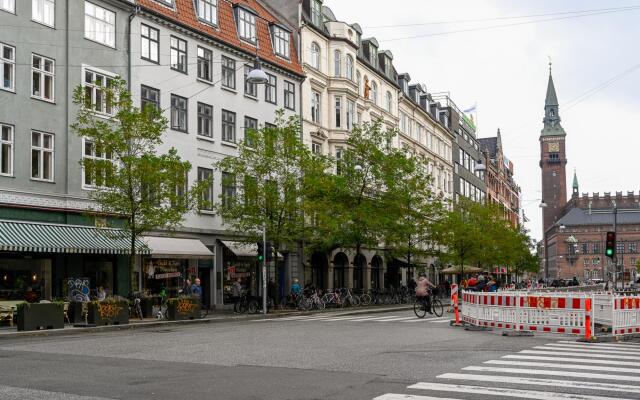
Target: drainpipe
x=136, y=10
x=66, y=98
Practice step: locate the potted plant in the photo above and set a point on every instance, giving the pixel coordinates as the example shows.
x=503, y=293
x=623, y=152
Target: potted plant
x=183, y=307
x=111, y=311
x=35, y=316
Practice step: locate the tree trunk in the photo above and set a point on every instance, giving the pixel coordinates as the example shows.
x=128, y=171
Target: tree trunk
x=132, y=262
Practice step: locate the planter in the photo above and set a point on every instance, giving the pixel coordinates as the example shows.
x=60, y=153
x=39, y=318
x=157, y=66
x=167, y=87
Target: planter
x=108, y=313
x=183, y=308
x=32, y=317
x=147, y=307
x=75, y=312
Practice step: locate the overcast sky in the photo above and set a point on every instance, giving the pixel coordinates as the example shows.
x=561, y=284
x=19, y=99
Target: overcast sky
x=505, y=70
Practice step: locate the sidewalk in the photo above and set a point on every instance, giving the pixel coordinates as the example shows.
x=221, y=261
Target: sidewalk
x=7, y=333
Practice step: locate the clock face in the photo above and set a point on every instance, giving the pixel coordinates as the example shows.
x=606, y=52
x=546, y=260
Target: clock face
x=554, y=147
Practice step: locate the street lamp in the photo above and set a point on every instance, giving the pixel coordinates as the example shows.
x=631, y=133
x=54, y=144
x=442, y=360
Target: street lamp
x=358, y=168
x=543, y=204
x=480, y=167
x=257, y=76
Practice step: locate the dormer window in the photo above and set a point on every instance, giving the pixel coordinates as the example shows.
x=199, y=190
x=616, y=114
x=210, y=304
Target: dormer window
x=246, y=25
x=280, y=41
x=316, y=12
x=208, y=11
x=387, y=66
x=373, y=56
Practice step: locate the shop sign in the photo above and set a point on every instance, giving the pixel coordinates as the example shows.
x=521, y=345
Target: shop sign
x=168, y=275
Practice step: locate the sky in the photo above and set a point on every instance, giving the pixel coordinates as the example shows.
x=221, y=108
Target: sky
x=499, y=61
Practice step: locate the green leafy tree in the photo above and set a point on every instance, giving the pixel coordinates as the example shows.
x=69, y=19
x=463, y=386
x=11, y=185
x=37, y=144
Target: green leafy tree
x=131, y=178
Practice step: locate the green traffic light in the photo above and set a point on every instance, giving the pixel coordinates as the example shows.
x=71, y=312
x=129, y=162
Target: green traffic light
x=609, y=252
x=260, y=258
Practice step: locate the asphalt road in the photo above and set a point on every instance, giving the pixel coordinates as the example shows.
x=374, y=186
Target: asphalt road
x=331, y=356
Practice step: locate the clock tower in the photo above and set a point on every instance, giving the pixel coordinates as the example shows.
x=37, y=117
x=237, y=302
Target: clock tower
x=553, y=159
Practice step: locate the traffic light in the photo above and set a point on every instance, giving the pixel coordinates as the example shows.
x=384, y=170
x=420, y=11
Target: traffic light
x=610, y=247
x=260, y=251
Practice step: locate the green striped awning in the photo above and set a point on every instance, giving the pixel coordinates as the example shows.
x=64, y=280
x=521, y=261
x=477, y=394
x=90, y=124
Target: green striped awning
x=55, y=238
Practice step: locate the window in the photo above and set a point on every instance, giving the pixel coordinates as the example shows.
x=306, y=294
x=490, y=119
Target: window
x=149, y=95
x=351, y=111
x=206, y=200
x=149, y=43
x=228, y=72
x=205, y=61
x=98, y=165
x=358, y=81
x=7, y=66
x=315, y=55
x=246, y=25
x=42, y=78
x=6, y=149
x=281, y=41
x=315, y=106
x=228, y=189
x=96, y=96
x=8, y=5
x=228, y=126
x=585, y=248
x=348, y=70
x=271, y=90
x=389, y=102
x=289, y=95
x=205, y=120
x=179, y=112
x=178, y=54
x=596, y=248
x=250, y=128
x=338, y=160
x=41, y=156
x=633, y=247
x=43, y=11
x=595, y=261
x=99, y=24
x=373, y=56
x=316, y=12
x=250, y=89
x=337, y=63
x=338, y=111
x=208, y=11
x=620, y=248
x=403, y=122
x=316, y=148
x=374, y=93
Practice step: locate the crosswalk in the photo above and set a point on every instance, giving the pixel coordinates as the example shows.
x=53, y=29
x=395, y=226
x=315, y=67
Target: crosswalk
x=561, y=370
x=360, y=318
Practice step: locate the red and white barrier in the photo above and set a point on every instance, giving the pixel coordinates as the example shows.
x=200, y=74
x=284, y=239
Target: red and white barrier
x=626, y=315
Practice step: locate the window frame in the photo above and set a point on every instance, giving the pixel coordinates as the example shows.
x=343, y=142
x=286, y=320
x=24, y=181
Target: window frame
x=315, y=55
x=228, y=191
x=348, y=69
x=150, y=40
x=316, y=12
x=9, y=10
x=95, y=88
x=271, y=90
x=228, y=124
x=144, y=100
x=289, y=95
x=94, y=156
x=104, y=22
x=40, y=150
x=338, y=111
x=41, y=5
x=185, y=110
x=212, y=7
x=243, y=23
x=316, y=148
x=228, y=72
x=389, y=105
x=315, y=106
x=250, y=89
x=351, y=110
x=374, y=92
x=281, y=40
x=249, y=123
x=11, y=64
x=206, y=59
x=10, y=143
x=43, y=74
x=337, y=63
x=206, y=174
x=178, y=53
x=205, y=118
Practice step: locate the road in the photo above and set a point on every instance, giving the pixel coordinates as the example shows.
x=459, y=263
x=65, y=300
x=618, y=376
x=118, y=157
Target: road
x=330, y=356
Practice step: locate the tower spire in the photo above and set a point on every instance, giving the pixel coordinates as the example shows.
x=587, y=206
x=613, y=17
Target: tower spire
x=575, y=183
x=551, y=119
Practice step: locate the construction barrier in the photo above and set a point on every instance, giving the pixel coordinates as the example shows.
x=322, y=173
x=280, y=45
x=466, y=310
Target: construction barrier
x=559, y=313
x=626, y=315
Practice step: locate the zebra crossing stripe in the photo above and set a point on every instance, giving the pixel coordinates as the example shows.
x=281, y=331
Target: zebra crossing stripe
x=575, y=360
x=397, y=396
x=555, y=353
x=616, y=345
x=508, y=392
x=614, y=350
x=543, y=382
x=572, y=374
x=438, y=319
x=563, y=366
x=396, y=319
x=571, y=349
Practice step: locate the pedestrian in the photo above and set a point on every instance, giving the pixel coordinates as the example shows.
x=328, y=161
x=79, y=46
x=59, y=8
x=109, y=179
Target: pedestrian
x=196, y=289
x=422, y=291
x=186, y=289
x=236, y=294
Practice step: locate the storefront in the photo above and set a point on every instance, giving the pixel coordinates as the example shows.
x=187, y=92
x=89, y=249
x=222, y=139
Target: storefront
x=240, y=261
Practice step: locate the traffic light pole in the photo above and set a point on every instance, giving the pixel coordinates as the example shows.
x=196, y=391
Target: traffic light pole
x=264, y=269
x=615, y=255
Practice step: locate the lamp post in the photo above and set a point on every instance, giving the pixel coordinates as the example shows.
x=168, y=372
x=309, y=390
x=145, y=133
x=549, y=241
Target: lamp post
x=543, y=205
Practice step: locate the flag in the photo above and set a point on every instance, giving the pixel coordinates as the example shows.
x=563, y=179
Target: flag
x=470, y=109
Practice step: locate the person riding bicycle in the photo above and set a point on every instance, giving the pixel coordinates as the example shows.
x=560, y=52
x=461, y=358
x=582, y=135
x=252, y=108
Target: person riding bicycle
x=422, y=291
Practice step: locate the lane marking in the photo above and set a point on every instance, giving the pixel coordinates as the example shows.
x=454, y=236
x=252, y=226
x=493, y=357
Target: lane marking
x=564, y=366
x=555, y=353
x=496, y=391
x=396, y=319
x=543, y=382
x=580, y=350
x=555, y=373
x=397, y=396
x=434, y=319
x=14, y=392
x=613, y=350
x=575, y=360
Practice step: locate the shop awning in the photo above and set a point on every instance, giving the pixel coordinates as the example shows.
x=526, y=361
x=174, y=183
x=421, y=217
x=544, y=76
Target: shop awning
x=56, y=238
x=242, y=249
x=170, y=247
x=456, y=270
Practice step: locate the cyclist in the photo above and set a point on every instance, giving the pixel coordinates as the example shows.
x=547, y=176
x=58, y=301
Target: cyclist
x=422, y=291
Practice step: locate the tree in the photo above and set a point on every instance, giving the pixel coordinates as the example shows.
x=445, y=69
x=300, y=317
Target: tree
x=129, y=176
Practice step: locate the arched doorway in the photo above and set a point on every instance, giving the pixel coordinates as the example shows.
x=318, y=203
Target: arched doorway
x=376, y=266
x=393, y=275
x=318, y=272
x=340, y=265
x=359, y=263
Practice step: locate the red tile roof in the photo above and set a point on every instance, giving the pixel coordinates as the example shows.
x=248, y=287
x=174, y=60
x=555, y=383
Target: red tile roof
x=184, y=13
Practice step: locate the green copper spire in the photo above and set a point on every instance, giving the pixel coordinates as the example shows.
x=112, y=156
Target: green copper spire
x=575, y=180
x=551, y=119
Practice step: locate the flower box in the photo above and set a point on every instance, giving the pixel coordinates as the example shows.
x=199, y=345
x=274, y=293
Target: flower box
x=35, y=316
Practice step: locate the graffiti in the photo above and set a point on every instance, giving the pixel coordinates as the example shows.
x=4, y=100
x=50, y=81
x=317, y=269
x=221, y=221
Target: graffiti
x=185, y=306
x=78, y=289
x=108, y=310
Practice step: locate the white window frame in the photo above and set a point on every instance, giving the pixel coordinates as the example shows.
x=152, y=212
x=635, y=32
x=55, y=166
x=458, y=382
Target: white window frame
x=389, y=101
x=95, y=88
x=316, y=12
x=337, y=64
x=8, y=64
x=351, y=110
x=99, y=24
x=93, y=156
x=247, y=25
x=7, y=143
x=315, y=106
x=315, y=55
x=40, y=150
x=43, y=74
x=348, y=70
x=44, y=12
x=374, y=92
x=338, y=111
x=280, y=39
x=208, y=11
x=8, y=6
x=316, y=148
x=152, y=47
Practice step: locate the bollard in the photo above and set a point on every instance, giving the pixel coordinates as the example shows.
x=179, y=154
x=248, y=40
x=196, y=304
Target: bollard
x=454, y=301
x=587, y=319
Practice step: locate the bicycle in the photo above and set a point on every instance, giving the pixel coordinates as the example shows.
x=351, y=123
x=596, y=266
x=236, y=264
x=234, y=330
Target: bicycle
x=420, y=307
x=135, y=309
